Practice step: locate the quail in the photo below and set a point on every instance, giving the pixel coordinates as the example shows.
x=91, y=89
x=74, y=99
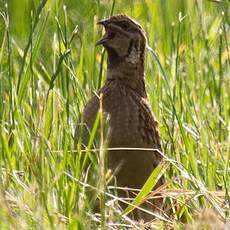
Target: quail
x=124, y=100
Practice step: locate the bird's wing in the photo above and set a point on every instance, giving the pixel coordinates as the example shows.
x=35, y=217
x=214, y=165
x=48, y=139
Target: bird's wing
x=147, y=124
x=85, y=124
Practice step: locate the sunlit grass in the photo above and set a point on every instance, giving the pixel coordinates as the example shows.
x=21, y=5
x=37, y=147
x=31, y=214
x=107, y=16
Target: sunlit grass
x=49, y=68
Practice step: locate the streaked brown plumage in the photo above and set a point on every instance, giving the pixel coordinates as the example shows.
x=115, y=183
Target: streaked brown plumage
x=125, y=100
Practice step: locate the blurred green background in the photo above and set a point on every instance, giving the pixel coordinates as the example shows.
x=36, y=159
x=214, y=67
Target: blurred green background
x=49, y=68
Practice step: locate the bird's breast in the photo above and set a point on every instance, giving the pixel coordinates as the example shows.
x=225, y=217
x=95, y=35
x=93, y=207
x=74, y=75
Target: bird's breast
x=125, y=117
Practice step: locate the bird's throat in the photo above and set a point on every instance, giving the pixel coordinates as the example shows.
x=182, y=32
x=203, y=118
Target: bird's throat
x=128, y=70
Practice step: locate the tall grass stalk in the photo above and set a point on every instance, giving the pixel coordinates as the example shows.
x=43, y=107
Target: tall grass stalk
x=50, y=67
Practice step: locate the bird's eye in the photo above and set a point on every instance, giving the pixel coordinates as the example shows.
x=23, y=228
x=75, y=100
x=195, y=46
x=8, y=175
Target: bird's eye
x=124, y=25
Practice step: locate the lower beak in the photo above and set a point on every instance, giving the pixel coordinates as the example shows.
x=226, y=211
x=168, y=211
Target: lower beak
x=101, y=42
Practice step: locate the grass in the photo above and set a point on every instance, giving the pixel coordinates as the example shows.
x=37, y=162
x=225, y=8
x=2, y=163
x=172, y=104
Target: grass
x=49, y=68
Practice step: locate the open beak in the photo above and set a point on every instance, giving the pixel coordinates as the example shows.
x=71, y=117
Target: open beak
x=108, y=35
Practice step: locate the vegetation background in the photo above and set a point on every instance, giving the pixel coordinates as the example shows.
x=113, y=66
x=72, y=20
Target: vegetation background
x=49, y=67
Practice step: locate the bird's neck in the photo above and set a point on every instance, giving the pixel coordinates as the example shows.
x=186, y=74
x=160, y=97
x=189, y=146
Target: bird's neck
x=128, y=70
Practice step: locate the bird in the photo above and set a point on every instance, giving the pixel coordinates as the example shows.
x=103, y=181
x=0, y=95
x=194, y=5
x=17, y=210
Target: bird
x=124, y=100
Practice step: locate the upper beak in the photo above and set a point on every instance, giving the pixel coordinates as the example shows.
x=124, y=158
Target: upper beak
x=104, y=23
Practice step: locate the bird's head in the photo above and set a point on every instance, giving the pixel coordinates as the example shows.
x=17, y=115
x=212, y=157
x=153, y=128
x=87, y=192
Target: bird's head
x=123, y=36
